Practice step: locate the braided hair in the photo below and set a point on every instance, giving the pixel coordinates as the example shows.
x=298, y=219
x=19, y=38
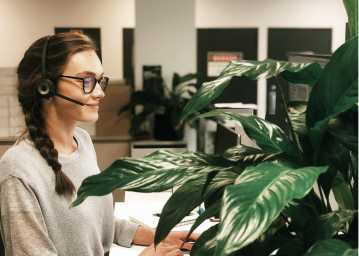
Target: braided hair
x=60, y=48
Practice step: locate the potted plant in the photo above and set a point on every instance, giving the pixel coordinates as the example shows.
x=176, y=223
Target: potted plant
x=264, y=195
x=161, y=104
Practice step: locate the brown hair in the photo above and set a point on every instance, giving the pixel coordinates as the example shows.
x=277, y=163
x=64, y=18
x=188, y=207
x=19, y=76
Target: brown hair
x=60, y=48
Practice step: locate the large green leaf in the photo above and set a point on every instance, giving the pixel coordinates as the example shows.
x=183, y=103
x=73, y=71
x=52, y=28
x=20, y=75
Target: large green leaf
x=328, y=225
x=300, y=212
x=211, y=211
x=353, y=167
x=331, y=247
x=342, y=193
x=304, y=72
x=297, y=116
x=157, y=172
x=269, y=137
x=308, y=75
x=335, y=92
x=206, y=243
x=325, y=181
x=252, y=70
x=205, y=95
x=122, y=175
x=247, y=154
x=276, y=236
x=190, y=159
x=334, y=153
x=345, y=129
x=337, y=221
x=351, y=6
x=189, y=196
x=256, y=199
x=292, y=247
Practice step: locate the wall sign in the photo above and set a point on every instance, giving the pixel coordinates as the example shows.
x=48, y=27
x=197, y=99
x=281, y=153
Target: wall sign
x=217, y=61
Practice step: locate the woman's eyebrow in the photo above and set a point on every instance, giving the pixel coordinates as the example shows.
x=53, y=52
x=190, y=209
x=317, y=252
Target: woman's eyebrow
x=89, y=73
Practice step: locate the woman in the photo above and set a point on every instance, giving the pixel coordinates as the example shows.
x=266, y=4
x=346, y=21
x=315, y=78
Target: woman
x=61, y=81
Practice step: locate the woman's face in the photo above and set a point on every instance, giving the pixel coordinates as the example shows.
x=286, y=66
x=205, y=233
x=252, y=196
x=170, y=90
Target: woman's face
x=82, y=64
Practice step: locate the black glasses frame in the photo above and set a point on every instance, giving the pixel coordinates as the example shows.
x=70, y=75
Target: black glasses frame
x=97, y=81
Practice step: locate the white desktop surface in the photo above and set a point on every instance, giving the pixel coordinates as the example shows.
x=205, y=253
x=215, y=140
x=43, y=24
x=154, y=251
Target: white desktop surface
x=141, y=206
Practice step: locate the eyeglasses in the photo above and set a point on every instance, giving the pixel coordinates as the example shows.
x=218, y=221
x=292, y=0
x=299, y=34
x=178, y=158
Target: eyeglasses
x=89, y=83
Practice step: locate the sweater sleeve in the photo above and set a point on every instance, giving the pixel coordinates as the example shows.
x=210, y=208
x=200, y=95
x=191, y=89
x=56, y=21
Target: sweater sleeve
x=124, y=232
x=23, y=229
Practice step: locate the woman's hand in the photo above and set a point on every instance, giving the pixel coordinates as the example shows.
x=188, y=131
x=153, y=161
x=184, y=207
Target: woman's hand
x=178, y=237
x=145, y=236
x=162, y=249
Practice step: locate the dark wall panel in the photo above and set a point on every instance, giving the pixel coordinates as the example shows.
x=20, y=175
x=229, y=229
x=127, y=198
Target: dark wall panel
x=281, y=41
x=243, y=40
x=128, y=65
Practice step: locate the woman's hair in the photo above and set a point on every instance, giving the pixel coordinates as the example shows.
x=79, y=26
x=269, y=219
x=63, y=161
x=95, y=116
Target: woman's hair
x=59, y=49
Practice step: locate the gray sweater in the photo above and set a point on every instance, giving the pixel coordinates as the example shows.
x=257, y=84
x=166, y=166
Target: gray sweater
x=37, y=221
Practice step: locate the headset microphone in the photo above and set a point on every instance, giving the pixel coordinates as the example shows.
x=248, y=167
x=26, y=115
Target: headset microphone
x=69, y=99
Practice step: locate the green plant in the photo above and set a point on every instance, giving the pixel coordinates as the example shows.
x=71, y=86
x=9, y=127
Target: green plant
x=264, y=195
x=160, y=100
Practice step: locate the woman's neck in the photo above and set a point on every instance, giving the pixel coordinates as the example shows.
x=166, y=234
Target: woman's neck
x=61, y=134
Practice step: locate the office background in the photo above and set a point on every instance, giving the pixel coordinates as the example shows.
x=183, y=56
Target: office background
x=170, y=33
x=157, y=23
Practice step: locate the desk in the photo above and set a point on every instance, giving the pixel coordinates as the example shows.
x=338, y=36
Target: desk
x=145, y=147
x=142, y=206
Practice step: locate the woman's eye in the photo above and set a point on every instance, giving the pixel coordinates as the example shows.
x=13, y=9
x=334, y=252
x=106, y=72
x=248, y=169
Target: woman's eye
x=88, y=81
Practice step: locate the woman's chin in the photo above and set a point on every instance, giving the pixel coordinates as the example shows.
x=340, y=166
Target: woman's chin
x=89, y=118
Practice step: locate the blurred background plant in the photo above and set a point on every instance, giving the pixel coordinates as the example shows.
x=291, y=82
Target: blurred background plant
x=160, y=106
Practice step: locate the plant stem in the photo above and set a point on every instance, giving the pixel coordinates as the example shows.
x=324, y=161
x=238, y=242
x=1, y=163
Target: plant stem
x=328, y=203
x=322, y=198
x=285, y=106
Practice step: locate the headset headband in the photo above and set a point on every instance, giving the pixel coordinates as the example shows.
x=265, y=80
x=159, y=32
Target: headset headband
x=44, y=57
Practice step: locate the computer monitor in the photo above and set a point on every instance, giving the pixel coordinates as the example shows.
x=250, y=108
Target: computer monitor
x=301, y=92
x=225, y=138
x=229, y=133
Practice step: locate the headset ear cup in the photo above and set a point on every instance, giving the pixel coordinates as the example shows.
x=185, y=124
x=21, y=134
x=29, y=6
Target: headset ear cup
x=45, y=88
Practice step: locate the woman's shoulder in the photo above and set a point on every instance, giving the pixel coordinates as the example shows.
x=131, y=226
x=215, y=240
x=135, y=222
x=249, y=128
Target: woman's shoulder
x=18, y=151
x=19, y=159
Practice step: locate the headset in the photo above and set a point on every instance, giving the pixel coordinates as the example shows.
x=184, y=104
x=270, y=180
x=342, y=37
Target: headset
x=46, y=87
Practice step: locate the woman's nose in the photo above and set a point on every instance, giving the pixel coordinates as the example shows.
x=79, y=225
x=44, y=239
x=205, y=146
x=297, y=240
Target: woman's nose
x=98, y=92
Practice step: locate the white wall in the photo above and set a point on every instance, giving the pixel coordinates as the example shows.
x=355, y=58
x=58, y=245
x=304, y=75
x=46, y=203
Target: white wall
x=165, y=35
x=23, y=21
x=265, y=14
x=273, y=13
